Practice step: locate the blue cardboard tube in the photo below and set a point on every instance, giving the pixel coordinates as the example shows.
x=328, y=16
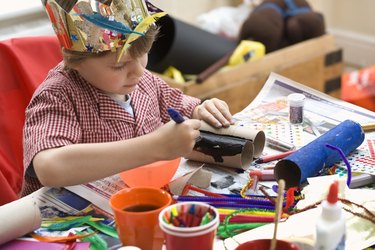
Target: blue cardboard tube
x=309, y=160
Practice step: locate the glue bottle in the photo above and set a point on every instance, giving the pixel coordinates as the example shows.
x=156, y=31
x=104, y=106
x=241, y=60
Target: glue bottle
x=330, y=227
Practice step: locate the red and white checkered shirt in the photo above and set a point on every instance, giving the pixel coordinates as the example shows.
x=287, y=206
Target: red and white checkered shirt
x=66, y=109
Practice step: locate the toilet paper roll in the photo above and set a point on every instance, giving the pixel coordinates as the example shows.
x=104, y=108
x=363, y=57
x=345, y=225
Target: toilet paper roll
x=223, y=150
x=19, y=218
x=309, y=160
x=257, y=137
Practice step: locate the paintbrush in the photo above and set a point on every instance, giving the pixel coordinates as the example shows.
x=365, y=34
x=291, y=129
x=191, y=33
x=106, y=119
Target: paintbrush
x=278, y=211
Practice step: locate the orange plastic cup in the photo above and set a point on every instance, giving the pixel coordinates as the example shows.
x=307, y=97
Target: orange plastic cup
x=156, y=174
x=264, y=244
x=136, y=212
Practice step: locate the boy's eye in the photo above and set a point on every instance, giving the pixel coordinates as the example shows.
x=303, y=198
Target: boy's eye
x=119, y=67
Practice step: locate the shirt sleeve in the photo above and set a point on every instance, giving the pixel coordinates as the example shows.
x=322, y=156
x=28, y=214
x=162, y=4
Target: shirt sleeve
x=50, y=122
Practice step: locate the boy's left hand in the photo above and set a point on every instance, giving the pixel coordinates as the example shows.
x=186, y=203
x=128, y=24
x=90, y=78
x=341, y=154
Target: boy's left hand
x=215, y=112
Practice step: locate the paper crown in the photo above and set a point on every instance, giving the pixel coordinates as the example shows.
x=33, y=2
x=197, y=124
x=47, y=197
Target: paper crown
x=100, y=25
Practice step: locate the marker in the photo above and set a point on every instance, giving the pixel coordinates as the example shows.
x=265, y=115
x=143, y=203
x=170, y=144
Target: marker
x=279, y=145
x=264, y=175
x=362, y=180
x=255, y=176
x=175, y=115
x=274, y=157
x=368, y=127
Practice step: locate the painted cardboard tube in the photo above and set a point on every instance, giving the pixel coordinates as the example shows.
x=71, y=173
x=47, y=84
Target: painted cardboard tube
x=186, y=47
x=257, y=137
x=312, y=158
x=223, y=150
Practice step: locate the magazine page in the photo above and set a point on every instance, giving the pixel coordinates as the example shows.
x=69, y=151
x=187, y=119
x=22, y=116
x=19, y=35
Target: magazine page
x=56, y=204
x=267, y=112
x=98, y=192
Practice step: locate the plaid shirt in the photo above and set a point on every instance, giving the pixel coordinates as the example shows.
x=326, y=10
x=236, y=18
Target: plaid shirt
x=66, y=109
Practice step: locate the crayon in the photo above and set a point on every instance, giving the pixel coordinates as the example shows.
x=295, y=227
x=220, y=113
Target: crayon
x=368, y=127
x=269, y=158
x=279, y=145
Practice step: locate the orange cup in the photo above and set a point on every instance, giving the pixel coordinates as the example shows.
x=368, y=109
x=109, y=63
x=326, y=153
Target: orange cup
x=136, y=212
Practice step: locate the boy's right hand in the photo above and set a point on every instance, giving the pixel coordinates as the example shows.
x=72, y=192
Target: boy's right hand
x=175, y=140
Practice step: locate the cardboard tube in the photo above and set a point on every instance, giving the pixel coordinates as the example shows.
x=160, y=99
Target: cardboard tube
x=257, y=137
x=189, y=49
x=310, y=159
x=223, y=150
x=19, y=218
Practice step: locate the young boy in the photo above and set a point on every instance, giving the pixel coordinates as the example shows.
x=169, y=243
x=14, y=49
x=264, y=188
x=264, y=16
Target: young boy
x=100, y=112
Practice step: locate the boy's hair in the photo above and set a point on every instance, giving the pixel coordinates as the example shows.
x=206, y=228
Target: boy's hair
x=138, y=48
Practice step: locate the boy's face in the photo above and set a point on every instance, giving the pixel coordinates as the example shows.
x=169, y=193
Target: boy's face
x=116, y=78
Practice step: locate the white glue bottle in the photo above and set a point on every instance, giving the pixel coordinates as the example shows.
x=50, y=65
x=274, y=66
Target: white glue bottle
x=330, y=227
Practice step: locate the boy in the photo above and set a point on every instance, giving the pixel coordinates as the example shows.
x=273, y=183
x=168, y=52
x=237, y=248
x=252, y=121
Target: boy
x=100, y=112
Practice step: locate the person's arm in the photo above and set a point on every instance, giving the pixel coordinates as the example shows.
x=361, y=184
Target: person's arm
x=82, y=163
x=215, y=112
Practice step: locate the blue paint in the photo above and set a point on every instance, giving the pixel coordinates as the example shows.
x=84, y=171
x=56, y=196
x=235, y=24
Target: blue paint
x=309, y=160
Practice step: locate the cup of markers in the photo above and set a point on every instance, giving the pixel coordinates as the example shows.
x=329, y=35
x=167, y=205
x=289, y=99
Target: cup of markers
x=192, y=224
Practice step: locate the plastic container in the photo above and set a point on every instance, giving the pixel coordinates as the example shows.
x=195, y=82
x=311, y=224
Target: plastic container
x=136, y=211
x=264, y=244
x=330, y=227
x=156, y=174
x=193, y=234
x=296, y=102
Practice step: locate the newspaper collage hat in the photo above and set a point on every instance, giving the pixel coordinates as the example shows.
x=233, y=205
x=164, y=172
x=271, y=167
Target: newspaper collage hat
x=100, y=25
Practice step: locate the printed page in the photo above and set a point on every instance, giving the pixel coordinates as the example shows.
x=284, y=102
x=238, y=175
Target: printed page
x=99, y=192
x=267, y=112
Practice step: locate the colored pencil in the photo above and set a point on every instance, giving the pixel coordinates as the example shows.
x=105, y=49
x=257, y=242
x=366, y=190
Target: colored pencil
x=269, y=158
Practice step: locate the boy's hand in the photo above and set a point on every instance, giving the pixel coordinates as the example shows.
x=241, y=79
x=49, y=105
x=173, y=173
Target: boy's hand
x=215, y=112
x=174, y=140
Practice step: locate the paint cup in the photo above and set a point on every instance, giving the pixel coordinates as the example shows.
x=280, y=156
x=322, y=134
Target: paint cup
x=192, y=229
x=136, y=212
x=264, y=244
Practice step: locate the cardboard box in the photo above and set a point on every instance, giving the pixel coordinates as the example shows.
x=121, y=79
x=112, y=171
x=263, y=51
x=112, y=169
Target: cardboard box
x=317, y=63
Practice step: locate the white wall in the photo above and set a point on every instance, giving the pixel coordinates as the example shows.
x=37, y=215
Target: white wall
x=188, y=10
x=352, y=22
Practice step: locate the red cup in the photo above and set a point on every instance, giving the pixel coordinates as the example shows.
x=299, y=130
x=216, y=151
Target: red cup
x=264, y=244
x=136, y=212
x=199, y=237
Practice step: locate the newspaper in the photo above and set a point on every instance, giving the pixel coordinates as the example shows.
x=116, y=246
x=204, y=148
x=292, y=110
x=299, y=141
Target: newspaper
x=267, y=112
x=49, y=203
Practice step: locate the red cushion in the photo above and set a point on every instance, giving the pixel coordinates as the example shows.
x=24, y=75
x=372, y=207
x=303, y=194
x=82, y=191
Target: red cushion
x=358, y=87
x=24, y=63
